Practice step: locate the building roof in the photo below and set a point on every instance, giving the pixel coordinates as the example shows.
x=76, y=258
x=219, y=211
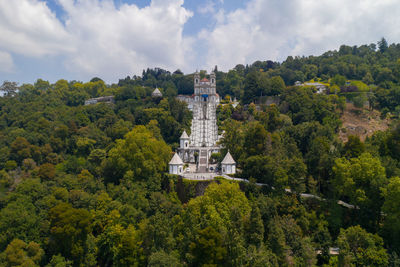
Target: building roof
x=156, y=92
x=204, y=80
x=184, y=135
x=176, y=160
x=315, y=84
x=228, y=159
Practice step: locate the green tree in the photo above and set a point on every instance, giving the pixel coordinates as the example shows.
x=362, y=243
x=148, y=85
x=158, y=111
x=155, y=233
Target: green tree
x=320, y=159
x=289, y=242
x=119, y=246
x=297, y=174
x=393, y=143
x=353, y=147
x=233, y=138
x=208, y=248
x=391, y=209
x=255, y=139
x=10, y=88
x=382, y=45
x=139, y=152
x=251, y=88
x=223, y=208
x=20, y=149
x=255, y=227
x=359, y=100
x=368, y=79
x=275, y=86
x=59, y=261
x=339, y=80
x=360, y=248
x=360, y=180
x=69, y=229
x=10, y=165
x=19, y=220
x=260, y=257
x=19, y=253
x=163, y=259
x=47, y=171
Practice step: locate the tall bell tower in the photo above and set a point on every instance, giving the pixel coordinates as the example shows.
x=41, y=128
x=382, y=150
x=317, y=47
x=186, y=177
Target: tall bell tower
x=196, y=82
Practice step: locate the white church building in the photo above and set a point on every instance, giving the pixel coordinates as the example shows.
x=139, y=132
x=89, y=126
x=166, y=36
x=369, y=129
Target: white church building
x=203, y=140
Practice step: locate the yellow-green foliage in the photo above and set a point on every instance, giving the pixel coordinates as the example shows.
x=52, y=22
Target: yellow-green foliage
x=139, y=152
x=362, y=87
x=334, y=89
x=217, y=204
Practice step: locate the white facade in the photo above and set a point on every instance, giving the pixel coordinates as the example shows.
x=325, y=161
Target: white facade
x=175, y=169
x=228, y=164
x=197, y=148
x=228, y=168
x=184, y=140
x=204, y=124
x=176, y=165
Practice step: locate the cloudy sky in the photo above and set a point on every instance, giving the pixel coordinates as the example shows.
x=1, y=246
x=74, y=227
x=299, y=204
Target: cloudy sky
x=110, y=39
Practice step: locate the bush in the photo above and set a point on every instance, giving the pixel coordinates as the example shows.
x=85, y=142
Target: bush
x=10, y=165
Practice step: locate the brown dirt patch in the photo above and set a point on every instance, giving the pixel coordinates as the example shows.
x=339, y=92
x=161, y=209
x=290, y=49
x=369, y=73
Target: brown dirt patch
x=361, y=122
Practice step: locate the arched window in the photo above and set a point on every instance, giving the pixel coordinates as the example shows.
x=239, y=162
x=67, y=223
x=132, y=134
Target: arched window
x=212, y=80
x=197, y=80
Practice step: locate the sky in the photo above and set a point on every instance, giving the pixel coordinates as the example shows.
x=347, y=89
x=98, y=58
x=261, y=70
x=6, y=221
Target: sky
x=111, y=39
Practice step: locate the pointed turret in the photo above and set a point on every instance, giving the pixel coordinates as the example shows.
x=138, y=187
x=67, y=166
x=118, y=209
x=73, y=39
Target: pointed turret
x=156, y=93
x=228, y=164
x=176, y=165
x=228, y=159
x=184, y=135
x=184, y=140
x=176, y=160
x=213, y=82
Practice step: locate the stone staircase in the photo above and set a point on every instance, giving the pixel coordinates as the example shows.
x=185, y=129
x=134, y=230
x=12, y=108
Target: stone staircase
x=203, y=161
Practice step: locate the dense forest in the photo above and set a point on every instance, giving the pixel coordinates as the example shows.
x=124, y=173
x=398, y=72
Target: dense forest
x=87, y=185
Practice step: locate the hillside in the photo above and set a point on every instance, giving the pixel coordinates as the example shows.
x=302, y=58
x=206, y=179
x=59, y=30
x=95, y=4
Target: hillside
x=84, y=168
x=361, y=122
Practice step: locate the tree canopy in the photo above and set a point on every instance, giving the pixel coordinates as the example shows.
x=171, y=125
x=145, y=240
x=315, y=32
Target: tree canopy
x=87, y=185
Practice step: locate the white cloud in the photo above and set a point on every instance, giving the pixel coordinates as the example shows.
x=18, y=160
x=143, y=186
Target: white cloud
x=112, y=42
x=6, y=62
x=99, y=39
x=96, y=38
x=29, y=28
x=273, y=29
